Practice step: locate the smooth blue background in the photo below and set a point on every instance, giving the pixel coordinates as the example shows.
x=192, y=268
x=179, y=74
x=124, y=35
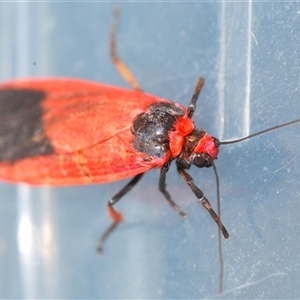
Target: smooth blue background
x=249, y=55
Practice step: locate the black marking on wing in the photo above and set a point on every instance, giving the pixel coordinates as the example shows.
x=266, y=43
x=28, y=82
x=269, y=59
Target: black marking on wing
x=21, y=127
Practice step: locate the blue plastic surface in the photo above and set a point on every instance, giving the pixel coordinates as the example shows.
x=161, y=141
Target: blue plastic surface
x=249, y=55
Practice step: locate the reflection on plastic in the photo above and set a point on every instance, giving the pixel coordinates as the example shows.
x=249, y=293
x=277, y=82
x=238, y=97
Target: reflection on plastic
x=234, y=78
x=36, y=240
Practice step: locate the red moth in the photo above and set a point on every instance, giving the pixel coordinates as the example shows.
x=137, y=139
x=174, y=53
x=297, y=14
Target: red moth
x=70, y=132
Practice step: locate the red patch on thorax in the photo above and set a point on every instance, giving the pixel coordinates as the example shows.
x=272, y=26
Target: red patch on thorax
x=183, y=127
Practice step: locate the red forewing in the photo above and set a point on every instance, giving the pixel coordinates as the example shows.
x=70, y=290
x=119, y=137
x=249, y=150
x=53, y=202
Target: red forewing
x=65, y=131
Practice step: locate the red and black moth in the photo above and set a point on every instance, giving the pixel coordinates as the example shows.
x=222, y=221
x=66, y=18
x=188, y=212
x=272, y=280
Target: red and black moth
x=40, y=140
x=71, y=132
